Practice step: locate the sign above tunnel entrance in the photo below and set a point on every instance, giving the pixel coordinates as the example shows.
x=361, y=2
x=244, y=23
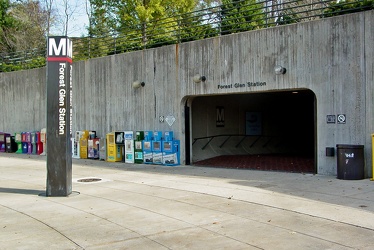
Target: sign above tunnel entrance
x=241, y=85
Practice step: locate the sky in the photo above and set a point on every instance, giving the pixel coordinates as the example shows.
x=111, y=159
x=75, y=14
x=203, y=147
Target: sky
x=78, y=19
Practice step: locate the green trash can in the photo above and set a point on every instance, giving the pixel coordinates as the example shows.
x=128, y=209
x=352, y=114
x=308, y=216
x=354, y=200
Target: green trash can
x=350, y=162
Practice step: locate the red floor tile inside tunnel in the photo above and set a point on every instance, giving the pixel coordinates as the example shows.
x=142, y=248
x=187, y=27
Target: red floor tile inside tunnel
x=294, y=164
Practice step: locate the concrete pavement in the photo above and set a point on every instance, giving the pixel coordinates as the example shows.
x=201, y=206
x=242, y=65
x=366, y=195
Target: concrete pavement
x=156, y=207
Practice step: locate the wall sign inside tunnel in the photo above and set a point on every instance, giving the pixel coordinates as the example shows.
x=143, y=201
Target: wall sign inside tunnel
x=253, y=123
x=220, y=117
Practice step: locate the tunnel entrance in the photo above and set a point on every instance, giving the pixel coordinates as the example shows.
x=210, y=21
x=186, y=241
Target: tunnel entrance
x=264, y=131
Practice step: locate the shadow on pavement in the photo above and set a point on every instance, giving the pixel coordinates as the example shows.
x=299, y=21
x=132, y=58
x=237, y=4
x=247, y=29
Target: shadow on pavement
x=20, y=191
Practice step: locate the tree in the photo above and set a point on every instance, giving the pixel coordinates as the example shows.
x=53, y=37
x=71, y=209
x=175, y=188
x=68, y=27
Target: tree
x=23, y=26
x=348, y=6
x=241, y=15
x=8, y=26
x=199, y=24
x=101, y=28
x=138, y=23
x=48, y=6
x=32, y=24
x=102, y=17
x=152, y=22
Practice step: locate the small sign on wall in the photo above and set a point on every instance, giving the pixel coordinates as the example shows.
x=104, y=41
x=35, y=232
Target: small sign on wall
x=253, y=123
x=341, y=118
x=220, y=116
x=330, y=119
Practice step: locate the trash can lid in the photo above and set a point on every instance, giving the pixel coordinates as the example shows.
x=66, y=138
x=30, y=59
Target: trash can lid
x=349, y=146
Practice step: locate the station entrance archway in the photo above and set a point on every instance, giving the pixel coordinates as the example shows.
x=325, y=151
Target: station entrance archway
x=243, y=128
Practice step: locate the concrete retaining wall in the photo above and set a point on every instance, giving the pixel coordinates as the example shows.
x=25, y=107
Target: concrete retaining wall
x=332, y=57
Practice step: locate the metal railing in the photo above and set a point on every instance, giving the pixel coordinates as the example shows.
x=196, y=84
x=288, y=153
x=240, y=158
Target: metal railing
x=240, y=138
x=240, y=16
x=20, y=60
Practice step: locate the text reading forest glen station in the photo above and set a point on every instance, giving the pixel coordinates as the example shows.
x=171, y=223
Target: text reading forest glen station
x=241, y=85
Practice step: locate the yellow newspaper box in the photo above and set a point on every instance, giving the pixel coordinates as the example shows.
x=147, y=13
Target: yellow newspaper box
x=114, y=151
x=83, y=144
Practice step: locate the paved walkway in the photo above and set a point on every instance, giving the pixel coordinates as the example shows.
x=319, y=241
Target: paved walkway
x=184, y=207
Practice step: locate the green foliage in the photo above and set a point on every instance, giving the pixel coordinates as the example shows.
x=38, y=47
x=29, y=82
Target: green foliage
x=36, y=62
x=195, y=26
x=287, y=17
x=6, y=20
x=8, y=24
x=241, y=15
x=348, y=6
x=153, y=22
x=22, y=35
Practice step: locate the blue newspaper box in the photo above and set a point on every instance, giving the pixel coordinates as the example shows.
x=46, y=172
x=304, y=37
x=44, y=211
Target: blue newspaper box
x=168, y=136
x=157, y=151
x=148, y=135
x=170, y=153
x=147, y=152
